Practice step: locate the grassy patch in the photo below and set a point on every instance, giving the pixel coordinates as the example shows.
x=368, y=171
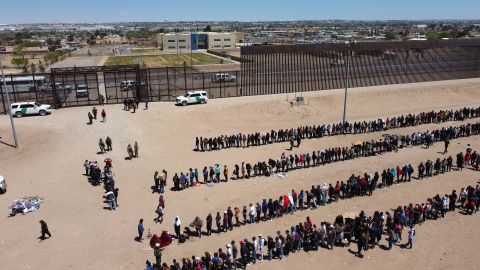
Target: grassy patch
x=165, y=60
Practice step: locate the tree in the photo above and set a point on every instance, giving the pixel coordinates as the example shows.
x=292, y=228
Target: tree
x=71, y=38
x=208, y=28
x=390, y=35
x=433, y=36
x=18, y=62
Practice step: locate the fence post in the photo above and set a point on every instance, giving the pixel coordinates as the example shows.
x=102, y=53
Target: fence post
x=185, y=76
x=236, y=82
x=203, y=81
x=168, y=85
x=3, y=101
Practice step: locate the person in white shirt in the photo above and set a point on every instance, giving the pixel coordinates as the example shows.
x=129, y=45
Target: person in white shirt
x=411, y=234
x=252, y=212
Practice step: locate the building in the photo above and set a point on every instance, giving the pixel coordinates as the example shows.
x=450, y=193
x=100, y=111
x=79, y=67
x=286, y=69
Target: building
x=197, y=41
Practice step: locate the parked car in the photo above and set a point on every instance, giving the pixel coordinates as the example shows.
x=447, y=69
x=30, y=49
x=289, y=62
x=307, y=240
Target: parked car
x=82, y=90
x=61, y=86
x=3, y=185
x=223, y=77
x=337, y=62
x=128, y=85
x=192, y=98
x=20, y=109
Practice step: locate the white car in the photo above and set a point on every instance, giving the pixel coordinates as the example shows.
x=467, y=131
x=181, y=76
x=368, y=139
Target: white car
x=29, y=108
x=223, y=77
x=82, y=90
x=192, y=98
x=3, y=185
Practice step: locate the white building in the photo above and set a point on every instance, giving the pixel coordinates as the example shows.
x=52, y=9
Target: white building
x=197, y=41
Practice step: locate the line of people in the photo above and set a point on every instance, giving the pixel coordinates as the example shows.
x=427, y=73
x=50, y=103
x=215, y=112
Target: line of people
x=319, y=131
x=364, y=231
x=96, y=176
x=320, y=195
x=283, y=164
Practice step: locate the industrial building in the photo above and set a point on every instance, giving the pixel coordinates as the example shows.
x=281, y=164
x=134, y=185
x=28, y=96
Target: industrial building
x=197, y=41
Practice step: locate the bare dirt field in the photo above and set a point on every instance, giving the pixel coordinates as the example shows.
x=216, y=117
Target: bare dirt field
x=87, y=236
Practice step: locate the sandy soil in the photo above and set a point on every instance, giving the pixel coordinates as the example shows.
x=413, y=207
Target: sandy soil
x=86, y=236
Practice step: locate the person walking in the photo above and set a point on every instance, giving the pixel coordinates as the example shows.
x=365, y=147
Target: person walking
x=146, y=104
x=135, y=147
x=104, y=116
x=446, y=144
x=140, y=229
x=44, y=230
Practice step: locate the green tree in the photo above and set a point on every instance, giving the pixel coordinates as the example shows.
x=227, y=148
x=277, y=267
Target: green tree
x=18, y=62
x=390, y=35
x=433, y=36
x=208, y=28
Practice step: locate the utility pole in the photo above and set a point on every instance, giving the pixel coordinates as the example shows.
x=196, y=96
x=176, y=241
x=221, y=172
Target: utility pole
x=349, y=51
x=8, y=104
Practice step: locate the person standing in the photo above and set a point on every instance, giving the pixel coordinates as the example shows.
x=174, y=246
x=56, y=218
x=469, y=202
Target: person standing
x=90, y=118
x=104, y=116
x=140, y=230
x=130, y=151
x=177, y=226
x=411, y=234
x=101, y=144
x=446, y=144
x=225, y=173
x=135, y=147
x=94, y=112
x=157, y=252
x=209, y=223
x=86, y=165
x=146, y=104
x=44, y=230
x=108, y=141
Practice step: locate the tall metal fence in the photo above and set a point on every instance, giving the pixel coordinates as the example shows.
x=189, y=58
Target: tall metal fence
x=264, y=70
x=284, y=69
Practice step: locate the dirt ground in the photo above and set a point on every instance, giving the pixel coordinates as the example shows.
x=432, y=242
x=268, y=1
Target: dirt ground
x=87, y=236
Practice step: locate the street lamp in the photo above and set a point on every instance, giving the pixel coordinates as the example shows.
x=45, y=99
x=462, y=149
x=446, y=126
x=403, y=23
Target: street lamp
x=349, y=55
x=8, y=104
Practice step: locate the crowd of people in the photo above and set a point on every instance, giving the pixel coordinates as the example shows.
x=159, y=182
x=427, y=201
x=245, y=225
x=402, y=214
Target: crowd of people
x=320, y=195
x=284, y=163
x=293, y=135
x=364, y=231
x=96, y=176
